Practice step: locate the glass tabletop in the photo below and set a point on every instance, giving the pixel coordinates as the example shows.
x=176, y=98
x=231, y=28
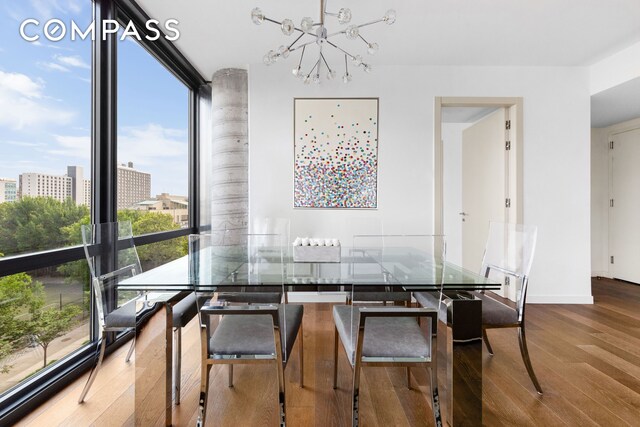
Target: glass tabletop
x=211, y=267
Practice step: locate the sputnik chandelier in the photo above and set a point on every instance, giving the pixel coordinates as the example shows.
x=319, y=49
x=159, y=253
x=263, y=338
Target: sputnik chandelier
x=321, y=38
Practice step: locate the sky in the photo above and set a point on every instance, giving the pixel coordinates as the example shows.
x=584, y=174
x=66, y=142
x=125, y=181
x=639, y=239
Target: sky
x=45, y=101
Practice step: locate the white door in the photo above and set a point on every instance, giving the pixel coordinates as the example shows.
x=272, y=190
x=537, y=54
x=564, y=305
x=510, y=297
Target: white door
x=484, y=187
x=624, y=220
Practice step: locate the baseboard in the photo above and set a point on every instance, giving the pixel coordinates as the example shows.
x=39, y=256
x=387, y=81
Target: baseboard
x=559, y=299
x=302, y=297
x=595, y=274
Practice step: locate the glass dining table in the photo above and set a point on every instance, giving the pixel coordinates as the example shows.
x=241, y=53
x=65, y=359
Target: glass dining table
x=361, y=271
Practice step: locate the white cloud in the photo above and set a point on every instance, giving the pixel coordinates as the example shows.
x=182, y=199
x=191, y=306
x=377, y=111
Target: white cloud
x=23, y=104
x=49, y=8
x=21, y=85
x=24, y=143
x=143, y=145
x=52, y=66
x=72, y=61
x=73, y=146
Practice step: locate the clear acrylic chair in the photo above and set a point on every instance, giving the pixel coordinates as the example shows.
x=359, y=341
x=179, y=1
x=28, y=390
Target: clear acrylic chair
x=112, y=257
x=509, y=255
x=391, y=336
x=232, y=330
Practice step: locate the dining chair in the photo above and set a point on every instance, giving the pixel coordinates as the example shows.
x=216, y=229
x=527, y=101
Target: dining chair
x=233, y=331
x=101, y=243
x=98, y=240
x=373, y=242
x=392, y=336
x=508, y=257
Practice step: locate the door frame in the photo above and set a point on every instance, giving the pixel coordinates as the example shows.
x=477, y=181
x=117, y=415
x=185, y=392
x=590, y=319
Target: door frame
x=507, y=102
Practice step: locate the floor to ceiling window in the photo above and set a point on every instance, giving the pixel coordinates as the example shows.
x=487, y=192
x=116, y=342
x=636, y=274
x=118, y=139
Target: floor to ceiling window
x=58, y=107
x=45, y=189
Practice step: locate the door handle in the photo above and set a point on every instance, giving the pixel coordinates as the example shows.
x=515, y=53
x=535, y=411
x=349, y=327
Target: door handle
x=463, y=214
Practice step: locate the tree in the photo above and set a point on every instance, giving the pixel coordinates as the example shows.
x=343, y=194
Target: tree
x=37, y=223
x=18, y=297
x=22, y=316
x=50, y=324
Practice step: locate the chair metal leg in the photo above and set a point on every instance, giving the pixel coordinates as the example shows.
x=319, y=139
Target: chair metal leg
x=231, y=375
x=204, y=392
x=355, y=409
x=301, y=356
x=335, y=358
x=130, y=352
x=94, y=371
x=282, y=404
x=485, y=338
x=177, y=364
x=408, y=378
x=527, y=361
x=435, y=398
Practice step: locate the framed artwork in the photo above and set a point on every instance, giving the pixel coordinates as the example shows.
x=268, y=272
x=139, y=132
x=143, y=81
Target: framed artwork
x=335, y=153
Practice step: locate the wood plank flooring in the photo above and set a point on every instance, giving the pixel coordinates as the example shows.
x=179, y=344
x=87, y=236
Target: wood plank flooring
x=587, y=358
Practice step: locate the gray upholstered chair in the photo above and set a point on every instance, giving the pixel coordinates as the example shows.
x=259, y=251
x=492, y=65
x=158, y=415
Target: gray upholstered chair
x=392, y=336
x=386, y=336
x=236, y=328
x=507, y=258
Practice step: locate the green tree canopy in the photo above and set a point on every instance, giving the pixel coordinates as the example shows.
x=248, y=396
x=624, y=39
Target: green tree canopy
x=37, y=223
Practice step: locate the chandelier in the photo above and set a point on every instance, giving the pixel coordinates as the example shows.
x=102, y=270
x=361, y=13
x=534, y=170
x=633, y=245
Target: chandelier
x=323, y=39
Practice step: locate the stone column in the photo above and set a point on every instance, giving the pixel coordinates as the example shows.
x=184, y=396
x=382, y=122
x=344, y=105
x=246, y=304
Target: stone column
x=229, y=189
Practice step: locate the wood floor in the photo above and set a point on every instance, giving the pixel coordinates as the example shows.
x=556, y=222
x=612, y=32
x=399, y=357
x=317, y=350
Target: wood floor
x=587, y=358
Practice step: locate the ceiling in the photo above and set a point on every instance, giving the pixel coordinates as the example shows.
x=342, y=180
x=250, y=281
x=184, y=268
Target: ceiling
x=465, y=114
x=219, y=34
x=615, y=105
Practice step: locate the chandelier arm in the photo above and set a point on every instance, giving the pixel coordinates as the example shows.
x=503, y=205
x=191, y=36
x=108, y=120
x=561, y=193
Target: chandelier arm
x=301, y=56
x=360, y=35
x=370, y=23
x=303, y=45
x=295, y=41
x=325, y=62
x=314, y=67
x=341, y=49
x=295, y=28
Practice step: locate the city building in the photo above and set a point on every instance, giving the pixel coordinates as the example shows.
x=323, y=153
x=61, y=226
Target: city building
x=176, y=206
x=8, y=191
x=133, y=186
x=60, y=187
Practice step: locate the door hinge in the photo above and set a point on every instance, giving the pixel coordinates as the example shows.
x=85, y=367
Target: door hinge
x=610, y=203
x=610, y=145
x=507, y=203
x=507, y=281
x=507, y=125
x=611, y=259
x=507, y=145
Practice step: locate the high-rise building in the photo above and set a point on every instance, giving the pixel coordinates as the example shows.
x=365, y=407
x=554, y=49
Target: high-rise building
x=8, y=190
x=60, y=187
x=133, y=186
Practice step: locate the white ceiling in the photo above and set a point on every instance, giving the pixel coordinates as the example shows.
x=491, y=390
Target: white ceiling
x=219, y=34
x=616, y=105
x=465, y=114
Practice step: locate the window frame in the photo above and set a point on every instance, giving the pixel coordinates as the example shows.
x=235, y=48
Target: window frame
x=22, y=399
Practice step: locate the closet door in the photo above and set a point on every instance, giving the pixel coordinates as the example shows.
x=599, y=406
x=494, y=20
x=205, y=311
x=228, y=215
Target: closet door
x=624, y=207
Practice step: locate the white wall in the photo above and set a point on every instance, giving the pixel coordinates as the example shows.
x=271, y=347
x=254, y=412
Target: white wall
x=556, y=156
x=600, y=138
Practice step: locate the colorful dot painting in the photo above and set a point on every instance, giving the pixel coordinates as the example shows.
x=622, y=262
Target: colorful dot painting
x=336, y=170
